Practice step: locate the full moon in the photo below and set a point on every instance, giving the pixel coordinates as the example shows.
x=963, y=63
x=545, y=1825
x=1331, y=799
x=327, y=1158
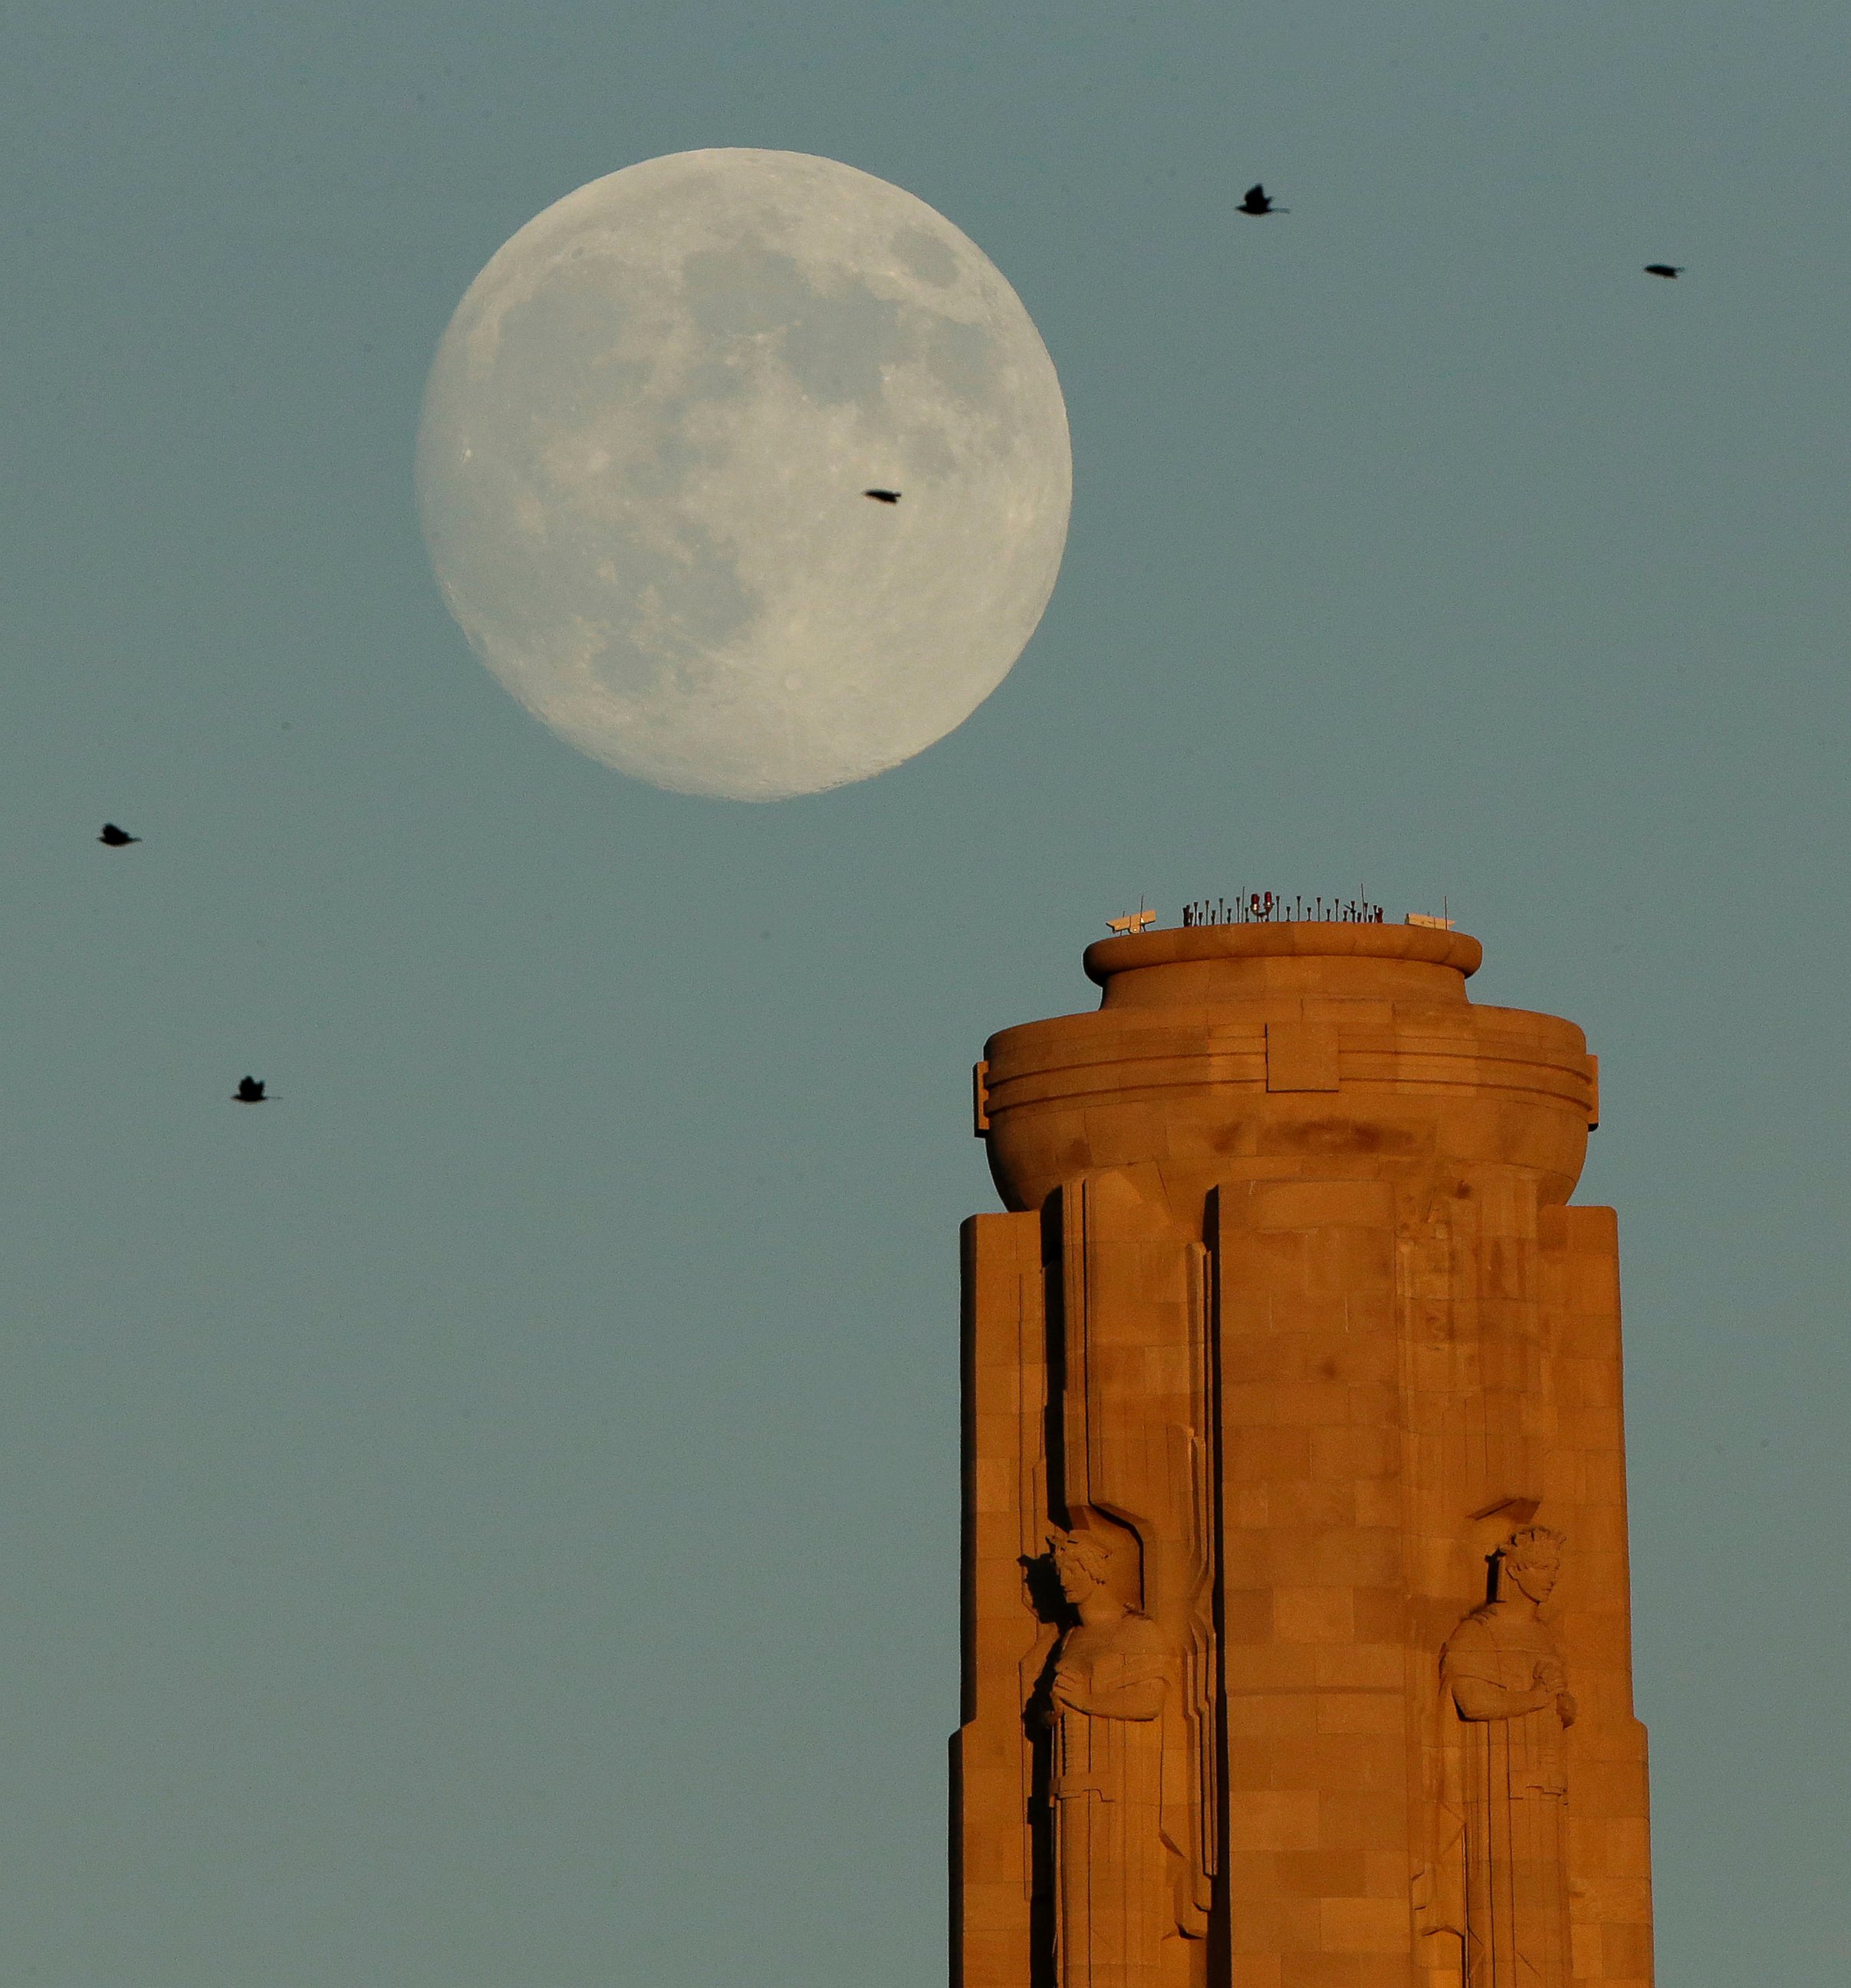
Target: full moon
x=647, y=440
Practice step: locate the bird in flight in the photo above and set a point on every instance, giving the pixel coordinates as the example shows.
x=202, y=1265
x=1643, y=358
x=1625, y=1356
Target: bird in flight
x=113, y=837
x=1664, y=269
x=250, y=1091
x=883, y=496
x=1256, y=200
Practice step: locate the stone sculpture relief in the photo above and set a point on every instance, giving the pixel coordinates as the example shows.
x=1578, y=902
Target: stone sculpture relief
x=1503, y=1865
x=1106, y=1700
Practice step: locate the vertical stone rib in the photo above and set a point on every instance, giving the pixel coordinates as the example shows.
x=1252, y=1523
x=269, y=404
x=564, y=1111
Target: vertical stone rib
x=1140, y=1449
x=1004, y=1643
x=1316, y=1612
x=1610, y=1822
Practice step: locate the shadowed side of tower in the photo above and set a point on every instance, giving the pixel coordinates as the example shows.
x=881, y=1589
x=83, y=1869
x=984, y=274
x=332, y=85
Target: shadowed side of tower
x=1296, y=1625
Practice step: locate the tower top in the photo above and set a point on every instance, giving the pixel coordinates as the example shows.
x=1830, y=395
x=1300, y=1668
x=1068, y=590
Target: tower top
x=1222, y=1052
x=1186, y=966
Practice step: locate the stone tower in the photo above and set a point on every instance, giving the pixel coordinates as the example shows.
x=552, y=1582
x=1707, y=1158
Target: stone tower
x=1296, y=1643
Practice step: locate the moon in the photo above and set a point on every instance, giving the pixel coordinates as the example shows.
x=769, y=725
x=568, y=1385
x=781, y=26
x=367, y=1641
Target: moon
x=646, y=440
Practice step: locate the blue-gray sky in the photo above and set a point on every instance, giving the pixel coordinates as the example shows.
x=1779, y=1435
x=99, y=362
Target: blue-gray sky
x=489, y=1521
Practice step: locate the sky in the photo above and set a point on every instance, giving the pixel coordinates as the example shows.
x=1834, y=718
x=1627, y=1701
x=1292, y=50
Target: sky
x=490, y=1521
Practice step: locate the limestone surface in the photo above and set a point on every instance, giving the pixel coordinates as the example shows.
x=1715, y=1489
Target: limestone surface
x=1296, y=1646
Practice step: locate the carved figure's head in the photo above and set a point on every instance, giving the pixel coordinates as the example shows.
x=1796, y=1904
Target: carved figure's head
x=1083, y=1561
x=1531, y=1562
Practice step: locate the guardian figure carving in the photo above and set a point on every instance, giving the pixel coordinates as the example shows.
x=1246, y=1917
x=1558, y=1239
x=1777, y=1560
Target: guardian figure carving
x=1111, y=1679
x=1507, y=1689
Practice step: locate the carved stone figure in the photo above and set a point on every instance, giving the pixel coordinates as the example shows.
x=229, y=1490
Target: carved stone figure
x=1111, y=1676
x=1508, y=1690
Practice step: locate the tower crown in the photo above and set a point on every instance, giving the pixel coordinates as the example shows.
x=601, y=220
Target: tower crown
x=1268, y=1050
x=1334, y=961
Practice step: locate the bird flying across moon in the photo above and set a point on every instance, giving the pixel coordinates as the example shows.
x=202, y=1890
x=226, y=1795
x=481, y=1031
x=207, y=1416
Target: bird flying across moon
x=250, y=1091
x=113, y=837
x=1257, y=200
x=1673, y=269
x=643, y=472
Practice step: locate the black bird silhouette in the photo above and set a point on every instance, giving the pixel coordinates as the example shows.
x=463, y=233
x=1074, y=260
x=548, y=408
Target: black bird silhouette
x=883, y=496
x=1664, y=269
x=1256, y=200
x=113, y=837
x=250, y=1091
